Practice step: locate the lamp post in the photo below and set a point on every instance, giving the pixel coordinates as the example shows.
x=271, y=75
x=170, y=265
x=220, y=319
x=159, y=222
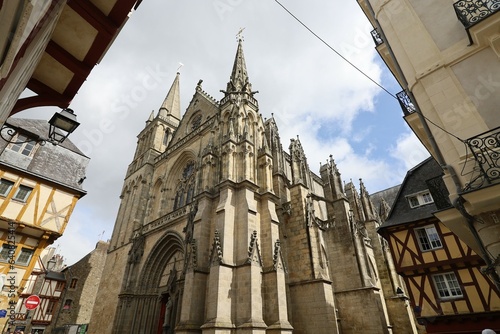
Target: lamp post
x=61, y=125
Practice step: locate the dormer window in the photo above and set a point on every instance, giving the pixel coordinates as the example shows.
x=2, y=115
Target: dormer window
x=419, y=199
x=23, y=145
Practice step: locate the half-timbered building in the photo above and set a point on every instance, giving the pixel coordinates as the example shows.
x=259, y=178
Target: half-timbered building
x=47, y=283
x=446, y=286
x=39, y=188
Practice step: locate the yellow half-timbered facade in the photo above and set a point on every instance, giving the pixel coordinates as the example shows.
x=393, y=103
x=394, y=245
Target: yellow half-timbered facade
x=39, y=188
x=443, y=277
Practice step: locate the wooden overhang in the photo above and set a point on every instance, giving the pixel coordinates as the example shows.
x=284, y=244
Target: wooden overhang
x=83, y=33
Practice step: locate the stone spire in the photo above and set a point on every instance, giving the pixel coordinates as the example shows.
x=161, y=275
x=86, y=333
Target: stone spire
x=151, y=117
x=238, y=82
x=172, y=103
x=331, y=175
x=366, y=203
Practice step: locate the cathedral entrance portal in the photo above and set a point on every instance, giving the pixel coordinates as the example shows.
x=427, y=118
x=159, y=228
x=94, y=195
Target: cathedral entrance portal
x=169, y=303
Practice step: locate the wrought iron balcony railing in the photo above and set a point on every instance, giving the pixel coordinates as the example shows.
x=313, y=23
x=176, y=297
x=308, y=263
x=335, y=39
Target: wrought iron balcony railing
x=377, y=38
x=485, y=149
x=405, y=102
x=470, y=12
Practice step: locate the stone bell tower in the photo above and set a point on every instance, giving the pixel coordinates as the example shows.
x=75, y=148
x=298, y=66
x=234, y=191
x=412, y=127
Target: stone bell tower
x=221, y=230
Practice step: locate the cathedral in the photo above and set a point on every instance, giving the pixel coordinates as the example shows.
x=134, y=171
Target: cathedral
x=221, y=230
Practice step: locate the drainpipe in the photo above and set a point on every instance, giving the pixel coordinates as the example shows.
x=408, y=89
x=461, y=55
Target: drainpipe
x=457, y=203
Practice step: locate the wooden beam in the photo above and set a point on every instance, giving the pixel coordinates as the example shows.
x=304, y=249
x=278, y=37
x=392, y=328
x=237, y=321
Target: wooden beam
x=67, y=60
x=88, y=11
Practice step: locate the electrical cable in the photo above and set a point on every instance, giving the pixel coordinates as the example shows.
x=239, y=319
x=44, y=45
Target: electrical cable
x=360, y=71
x=331, y=48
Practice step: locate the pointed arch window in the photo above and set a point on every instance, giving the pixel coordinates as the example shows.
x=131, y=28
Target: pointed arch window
x=166, y=137
x=184, y=193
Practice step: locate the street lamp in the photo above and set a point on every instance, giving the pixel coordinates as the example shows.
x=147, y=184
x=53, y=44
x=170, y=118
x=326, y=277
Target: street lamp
x=61, y=125
x=65, y=121
x=51, y=264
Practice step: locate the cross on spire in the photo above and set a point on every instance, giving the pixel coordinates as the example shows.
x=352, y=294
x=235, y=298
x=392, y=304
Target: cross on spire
x=239, y=35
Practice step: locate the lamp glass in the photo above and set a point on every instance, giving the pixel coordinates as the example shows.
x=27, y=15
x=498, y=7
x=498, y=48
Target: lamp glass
x=65, y=120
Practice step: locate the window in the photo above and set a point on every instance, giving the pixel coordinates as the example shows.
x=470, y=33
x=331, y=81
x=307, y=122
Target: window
x=24, y=257
x=73, y=283
x=196, y=122
x=428, y=238
x=184, y=193
x=50, y=307
x=447, y=285
x=67, y=304
x=166, y=137
x=5, y=187
x=25, y=147
x=22, y=193
x=419, y=199
x=59, y=286
x=7, y=252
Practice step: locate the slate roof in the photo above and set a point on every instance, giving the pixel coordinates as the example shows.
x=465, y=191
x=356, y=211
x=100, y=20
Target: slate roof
x=64, y=164
x=55, y=276
x=389, y=195
x=414, y=182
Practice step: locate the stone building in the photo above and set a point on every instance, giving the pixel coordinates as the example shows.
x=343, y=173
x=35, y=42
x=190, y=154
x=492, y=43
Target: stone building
x=445, y=55
x=220, y=230
x=79, y=294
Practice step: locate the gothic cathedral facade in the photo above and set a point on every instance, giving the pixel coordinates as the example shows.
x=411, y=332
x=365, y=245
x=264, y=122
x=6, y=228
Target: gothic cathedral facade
x=221, y=231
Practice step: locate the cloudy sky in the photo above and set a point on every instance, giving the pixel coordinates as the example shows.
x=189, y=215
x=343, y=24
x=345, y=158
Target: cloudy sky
x=308, y=88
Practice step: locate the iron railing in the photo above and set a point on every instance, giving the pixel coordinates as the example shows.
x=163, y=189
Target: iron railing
x=470, y=12
x=485, y=149
x=377, y=38
x=406, y=102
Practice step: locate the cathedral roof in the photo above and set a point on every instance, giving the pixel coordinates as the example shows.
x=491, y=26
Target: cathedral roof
x=238, y=82
x=172, y=103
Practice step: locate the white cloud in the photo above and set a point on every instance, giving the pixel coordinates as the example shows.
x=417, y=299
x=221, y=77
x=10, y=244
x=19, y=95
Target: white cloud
x=409, y=150
x=310, y=89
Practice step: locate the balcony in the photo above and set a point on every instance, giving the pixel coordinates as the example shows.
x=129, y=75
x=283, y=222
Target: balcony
x=377, y=38
x=485, y=150
x=406, y=102
x=470, y=12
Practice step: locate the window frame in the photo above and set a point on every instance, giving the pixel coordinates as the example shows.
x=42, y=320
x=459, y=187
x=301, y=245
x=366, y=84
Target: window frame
x=23, y=187
x=21, y=253
x=67, y=304
x=449, y=284
x=26, y=147
x=73, y=284
x=422, y=198
x=431, y=241
x=9, y=187
x=59, y=286
x=9, y=250
x=51, y=307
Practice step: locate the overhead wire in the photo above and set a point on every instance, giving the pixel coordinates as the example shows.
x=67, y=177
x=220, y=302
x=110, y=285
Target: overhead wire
x=338, y=53
x=361, y=71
